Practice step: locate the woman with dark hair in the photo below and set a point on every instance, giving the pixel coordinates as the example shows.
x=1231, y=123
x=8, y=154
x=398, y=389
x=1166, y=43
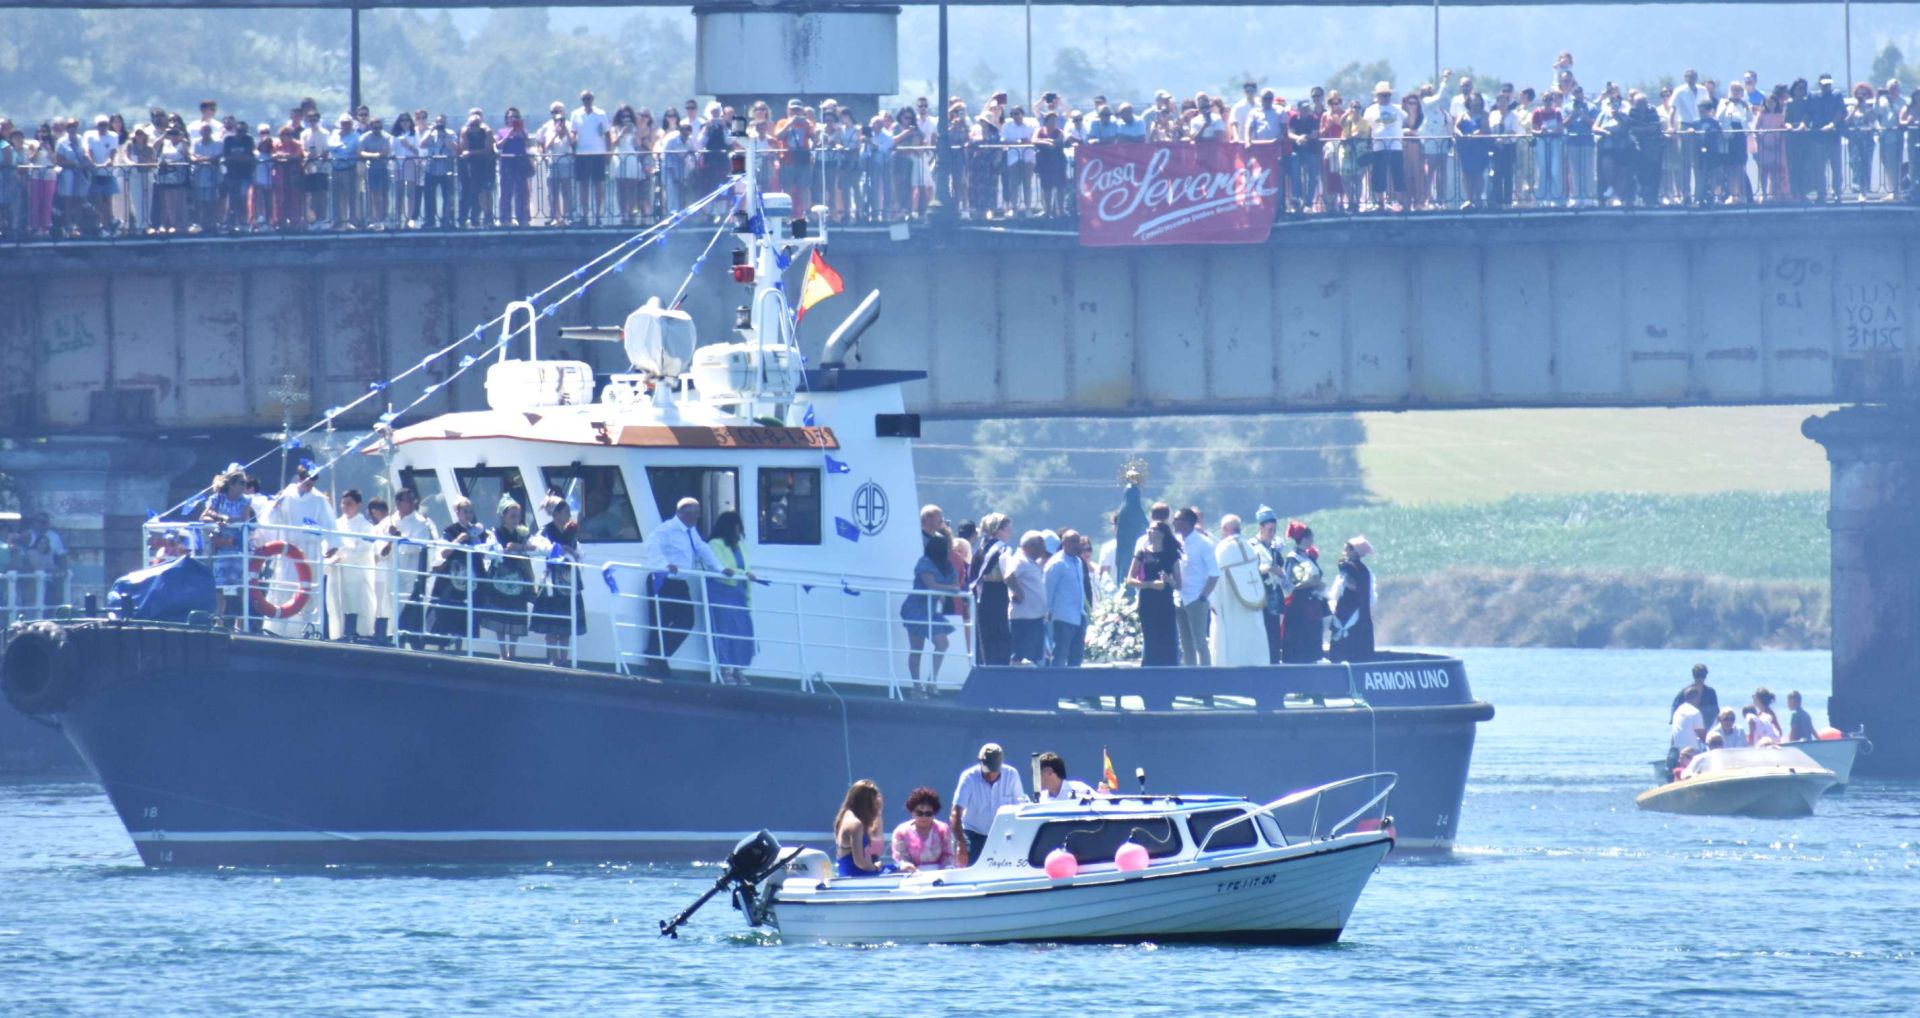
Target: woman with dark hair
x=925, y=615
x=559, y=613
x=1155, y=576
x=923, y=842
x=854, y=830
x=992, y=564
x=729, y=600
x=516, y=169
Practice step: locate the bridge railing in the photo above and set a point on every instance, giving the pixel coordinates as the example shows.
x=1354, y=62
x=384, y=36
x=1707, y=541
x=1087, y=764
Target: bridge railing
x=27, y=595
x=877, y=183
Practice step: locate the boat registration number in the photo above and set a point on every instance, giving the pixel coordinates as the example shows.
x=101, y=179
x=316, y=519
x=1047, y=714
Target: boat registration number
x=1245, y=883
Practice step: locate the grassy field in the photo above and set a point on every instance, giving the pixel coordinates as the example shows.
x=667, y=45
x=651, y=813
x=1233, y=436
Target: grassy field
x=1737, y=535
x=1482, y=455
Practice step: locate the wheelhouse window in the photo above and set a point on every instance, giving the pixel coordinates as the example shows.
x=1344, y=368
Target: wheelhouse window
x=717, y=488
x=1236, y=831
x=1096, y=840
x=599, y=499
x=433, y=501
x=789, y=506
x=485, y=486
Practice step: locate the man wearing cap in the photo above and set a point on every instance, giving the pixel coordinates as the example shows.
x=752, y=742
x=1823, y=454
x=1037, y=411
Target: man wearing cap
x=1387, y=124
x=674, y=545
x=794, y=138
x=983, y=789
x=1826, y=112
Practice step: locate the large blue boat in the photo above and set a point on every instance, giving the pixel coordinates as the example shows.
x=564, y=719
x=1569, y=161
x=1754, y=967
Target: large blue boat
x=669, y=705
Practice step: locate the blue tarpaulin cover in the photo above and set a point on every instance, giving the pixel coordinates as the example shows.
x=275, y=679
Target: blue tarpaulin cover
x=164, y=593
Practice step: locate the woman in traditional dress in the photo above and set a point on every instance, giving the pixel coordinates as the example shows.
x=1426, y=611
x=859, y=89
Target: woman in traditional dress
x=559, y=613
x=508, y=593
x=729, y=600
x=455, y=573
x=1301, y=632
x=230, y=511
x=1353, y=605
x=1154, y=577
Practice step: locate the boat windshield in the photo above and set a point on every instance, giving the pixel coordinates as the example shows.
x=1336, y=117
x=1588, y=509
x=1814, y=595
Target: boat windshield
x=1763, y=756
x=1096, y=839
x=1235, y=830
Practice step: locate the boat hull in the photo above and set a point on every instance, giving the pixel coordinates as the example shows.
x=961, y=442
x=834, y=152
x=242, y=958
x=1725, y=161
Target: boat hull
x=1772, y=793
x=235, y=750
x=1303, y=895
x=1836, y=755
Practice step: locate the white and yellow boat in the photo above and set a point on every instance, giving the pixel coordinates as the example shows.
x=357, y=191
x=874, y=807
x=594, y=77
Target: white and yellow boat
x=1771, y=781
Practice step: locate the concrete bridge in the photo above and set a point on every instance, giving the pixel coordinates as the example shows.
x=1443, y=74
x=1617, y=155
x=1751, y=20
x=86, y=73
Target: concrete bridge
x=119, y=360
x=1596, y=309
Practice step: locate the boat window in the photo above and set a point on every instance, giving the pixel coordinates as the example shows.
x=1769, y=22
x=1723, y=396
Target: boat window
x=598, y=496
x=485, y=485
x=1236, y=830
x=1096, y=839
x=717, y=488
x=789, y=506
x=433, y=501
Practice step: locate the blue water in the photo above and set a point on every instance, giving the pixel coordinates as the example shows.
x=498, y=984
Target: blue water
x=1563, y=898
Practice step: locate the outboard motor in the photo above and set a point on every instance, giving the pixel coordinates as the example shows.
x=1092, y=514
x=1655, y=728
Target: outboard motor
x=753, y=860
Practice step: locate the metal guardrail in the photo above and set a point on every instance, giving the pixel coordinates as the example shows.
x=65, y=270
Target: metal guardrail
x=875, y=185
x=449, y=596
x=29, y=595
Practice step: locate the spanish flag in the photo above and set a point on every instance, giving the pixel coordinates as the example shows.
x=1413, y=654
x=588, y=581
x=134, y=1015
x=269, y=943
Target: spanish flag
x=1107, y=781
x=820, y=283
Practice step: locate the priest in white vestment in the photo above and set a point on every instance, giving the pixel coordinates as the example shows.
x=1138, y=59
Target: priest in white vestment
x=1239, y=636
x=297, y=516
x=350, y=579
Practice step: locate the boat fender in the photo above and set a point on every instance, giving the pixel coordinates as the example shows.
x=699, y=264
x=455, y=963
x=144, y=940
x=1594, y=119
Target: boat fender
x=1061, y=864
x=302, y=571
x=37, y=675
x=1131, y=858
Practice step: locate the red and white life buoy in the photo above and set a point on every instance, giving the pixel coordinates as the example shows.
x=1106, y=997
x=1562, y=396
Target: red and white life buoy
x=302, y=572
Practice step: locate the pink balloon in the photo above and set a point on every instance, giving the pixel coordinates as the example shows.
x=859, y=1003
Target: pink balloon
x=1061, y=864
x=1131, y=857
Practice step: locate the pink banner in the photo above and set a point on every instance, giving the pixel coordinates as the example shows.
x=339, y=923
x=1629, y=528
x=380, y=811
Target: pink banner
x=1162, y=193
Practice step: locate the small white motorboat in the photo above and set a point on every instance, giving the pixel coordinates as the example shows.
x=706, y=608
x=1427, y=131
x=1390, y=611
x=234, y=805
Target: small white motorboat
x=1141, y=868
x=1835, y=754
x=1770, y=781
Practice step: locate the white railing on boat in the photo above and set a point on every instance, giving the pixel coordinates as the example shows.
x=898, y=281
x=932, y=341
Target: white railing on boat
x=805, y=626
x=1317, y=797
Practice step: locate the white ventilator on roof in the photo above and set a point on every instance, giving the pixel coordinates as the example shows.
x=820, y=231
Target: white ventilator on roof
x=659, y=340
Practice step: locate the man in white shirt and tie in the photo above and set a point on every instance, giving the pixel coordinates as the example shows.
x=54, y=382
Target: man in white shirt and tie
x=674, y=545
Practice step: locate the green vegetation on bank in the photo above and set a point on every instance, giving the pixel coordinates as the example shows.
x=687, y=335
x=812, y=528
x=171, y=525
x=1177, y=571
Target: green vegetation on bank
x=1731, y=535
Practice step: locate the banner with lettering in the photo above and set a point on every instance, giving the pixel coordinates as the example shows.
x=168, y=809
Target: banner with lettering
x=1168, y=193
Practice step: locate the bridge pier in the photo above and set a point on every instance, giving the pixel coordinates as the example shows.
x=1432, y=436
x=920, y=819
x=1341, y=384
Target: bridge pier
x=96, y=491
x=746, y=51
x=1875, y=523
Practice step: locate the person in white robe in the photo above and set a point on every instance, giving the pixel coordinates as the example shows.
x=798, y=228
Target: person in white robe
x=350, y=559
x=298, y=516
x=1239, y=636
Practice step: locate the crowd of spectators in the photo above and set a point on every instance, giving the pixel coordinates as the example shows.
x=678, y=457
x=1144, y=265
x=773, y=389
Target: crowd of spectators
x=1441, y=146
